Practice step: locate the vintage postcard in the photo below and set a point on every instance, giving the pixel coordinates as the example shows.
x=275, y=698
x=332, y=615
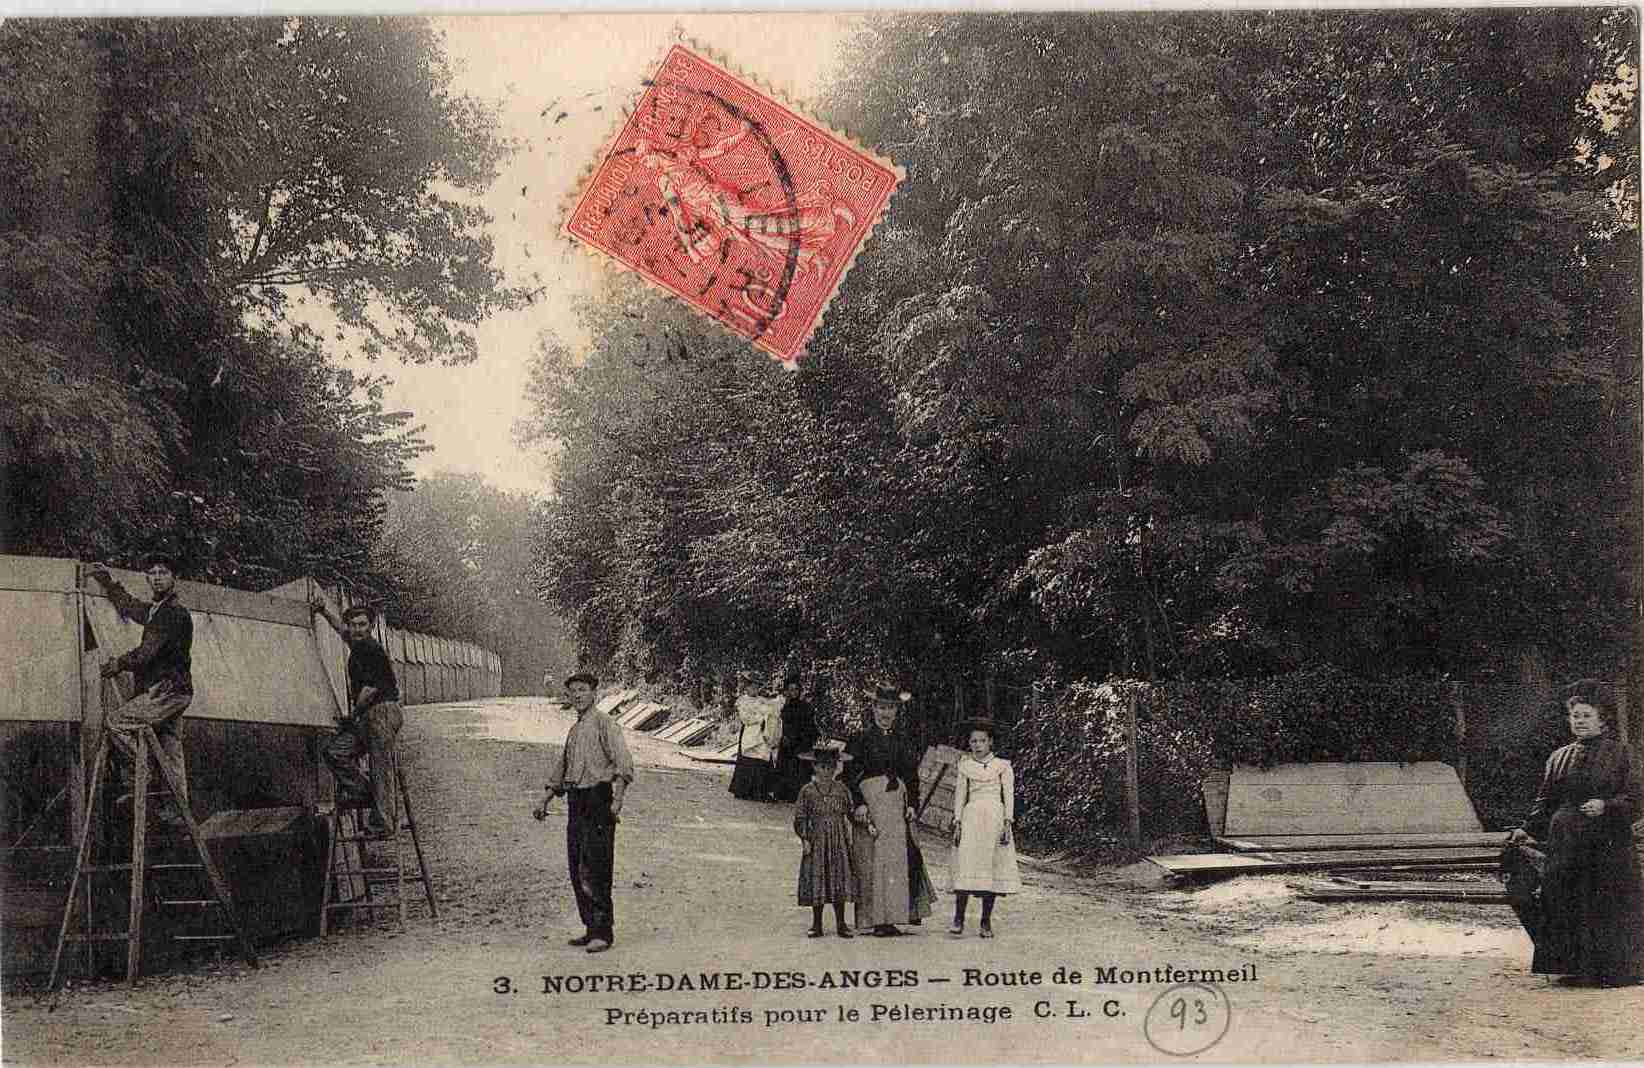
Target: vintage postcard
x=1082, y=537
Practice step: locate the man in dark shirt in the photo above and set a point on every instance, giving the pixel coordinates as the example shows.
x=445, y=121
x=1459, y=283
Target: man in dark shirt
x=373, y=722
x=162, y=683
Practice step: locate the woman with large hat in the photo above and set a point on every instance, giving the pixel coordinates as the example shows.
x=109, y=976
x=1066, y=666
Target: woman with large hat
x=884, y=783
x=984, y=847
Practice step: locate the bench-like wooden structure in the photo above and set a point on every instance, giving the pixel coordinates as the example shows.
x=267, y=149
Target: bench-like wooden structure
x=1328, y=816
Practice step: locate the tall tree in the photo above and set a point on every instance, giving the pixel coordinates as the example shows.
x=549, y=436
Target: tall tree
x=457, y=556
x=173, y=185
x=1170, y=358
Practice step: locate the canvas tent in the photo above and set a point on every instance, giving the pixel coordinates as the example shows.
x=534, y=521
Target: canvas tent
x=429, y=669
x=268, y=683
x=262, y=699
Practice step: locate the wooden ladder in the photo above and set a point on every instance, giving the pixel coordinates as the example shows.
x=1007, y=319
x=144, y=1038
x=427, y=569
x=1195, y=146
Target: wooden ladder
x=139, y=867
x=351, y=868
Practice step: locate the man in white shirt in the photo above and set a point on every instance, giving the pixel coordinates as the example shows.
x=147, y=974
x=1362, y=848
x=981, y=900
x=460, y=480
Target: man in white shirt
x=594, y=772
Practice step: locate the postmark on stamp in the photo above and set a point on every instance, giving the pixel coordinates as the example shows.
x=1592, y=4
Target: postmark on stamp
x=720, y=194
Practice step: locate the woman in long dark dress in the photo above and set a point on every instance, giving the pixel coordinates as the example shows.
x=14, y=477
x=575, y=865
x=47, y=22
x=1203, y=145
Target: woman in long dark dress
x=1589, y=912
x=799, y=734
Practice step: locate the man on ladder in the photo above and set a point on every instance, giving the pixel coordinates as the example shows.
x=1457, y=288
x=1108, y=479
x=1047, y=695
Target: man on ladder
x=160, y=666
x=147, y=723
x=371, y=725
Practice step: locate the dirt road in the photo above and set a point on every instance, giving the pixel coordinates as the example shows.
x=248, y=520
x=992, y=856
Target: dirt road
x=704, y=894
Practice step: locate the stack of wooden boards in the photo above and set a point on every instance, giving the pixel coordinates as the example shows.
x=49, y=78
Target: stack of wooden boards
x=636, y=712
x=1344, y=817
x=1342, y=888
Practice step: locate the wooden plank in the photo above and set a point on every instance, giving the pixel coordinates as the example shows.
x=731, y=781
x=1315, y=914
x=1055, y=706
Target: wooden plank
x=1371, y=798
x=653, y=720
x=139, y=856
x=1359, y=773
x=1214, y=863
x=1133, y=799
x=1315, y=842
x=697, y=735
x=1351, y=858
x=239, y=822
x=683, y=727
x=639, y=710
x=931, y=795
x=1403, y=892
x=674, y=731
x=610, y=701
x=1234, y=863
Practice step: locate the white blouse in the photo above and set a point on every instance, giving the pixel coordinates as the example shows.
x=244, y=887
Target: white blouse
x=975, y=777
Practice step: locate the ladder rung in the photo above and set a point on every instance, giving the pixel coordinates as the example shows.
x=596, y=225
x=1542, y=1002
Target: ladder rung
x=168, y=833
x=363, y=905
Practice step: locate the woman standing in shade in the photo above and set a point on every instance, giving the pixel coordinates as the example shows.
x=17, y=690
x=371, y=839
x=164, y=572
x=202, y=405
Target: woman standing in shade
x=1586, y=923
x=984, y=850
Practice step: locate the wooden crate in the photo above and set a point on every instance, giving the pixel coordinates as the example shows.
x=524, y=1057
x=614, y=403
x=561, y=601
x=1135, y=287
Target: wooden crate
x=936, y=778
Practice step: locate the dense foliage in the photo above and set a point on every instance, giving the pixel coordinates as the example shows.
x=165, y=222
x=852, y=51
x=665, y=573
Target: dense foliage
x=1232, y=346
x=175, y=190
x=1172, y=358
x=456, y=554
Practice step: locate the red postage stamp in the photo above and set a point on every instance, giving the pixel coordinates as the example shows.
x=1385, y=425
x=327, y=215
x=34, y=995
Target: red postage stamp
x=728, y=199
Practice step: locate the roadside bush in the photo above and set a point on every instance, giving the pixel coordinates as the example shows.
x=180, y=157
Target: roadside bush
x=1317, y=715
x=1069, y=755
x=1069, y=751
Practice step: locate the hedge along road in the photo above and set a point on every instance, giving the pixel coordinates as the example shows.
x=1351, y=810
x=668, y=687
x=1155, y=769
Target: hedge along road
x=708, y=931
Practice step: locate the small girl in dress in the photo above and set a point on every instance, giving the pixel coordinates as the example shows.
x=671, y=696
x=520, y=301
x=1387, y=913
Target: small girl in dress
x=821, y=819
x=984, y=852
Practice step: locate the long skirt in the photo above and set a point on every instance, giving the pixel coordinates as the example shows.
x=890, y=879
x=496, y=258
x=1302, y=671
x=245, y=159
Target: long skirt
x=892, y=886
x=751, y=781
x=981, y=864
x=789, y=774
x=825, y=874
x=1592, y=903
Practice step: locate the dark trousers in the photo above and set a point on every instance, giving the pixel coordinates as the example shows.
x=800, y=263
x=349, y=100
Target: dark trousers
x=590, y=850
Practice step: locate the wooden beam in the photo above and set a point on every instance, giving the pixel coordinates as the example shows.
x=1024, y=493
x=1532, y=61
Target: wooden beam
x=1133, y=800
x=1461, y=732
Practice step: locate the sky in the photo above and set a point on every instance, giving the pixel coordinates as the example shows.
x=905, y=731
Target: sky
x=587, y=66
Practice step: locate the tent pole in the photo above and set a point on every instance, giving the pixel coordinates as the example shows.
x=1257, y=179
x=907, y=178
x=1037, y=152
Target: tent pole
x=79, y=735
